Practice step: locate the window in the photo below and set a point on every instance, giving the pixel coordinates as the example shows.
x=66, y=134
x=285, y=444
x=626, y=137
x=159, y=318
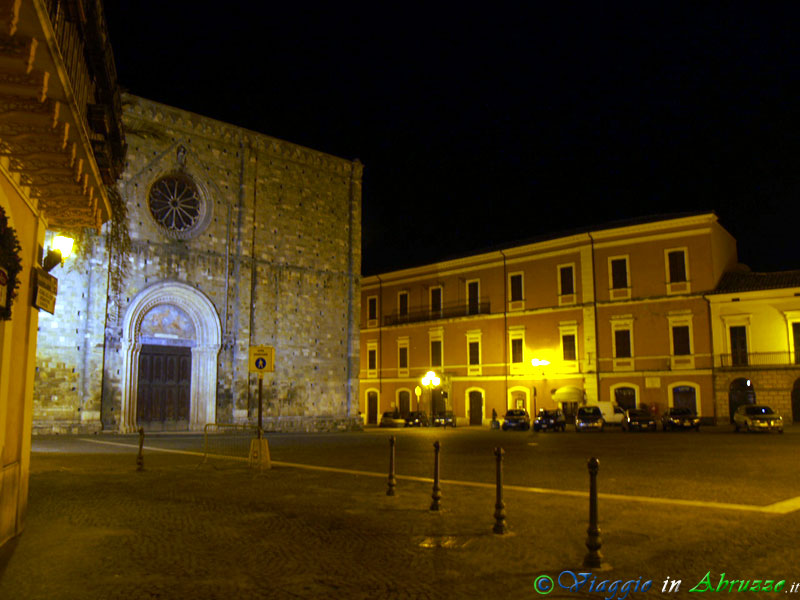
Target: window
x=622, y=343
x=568, y=348
x=680, y=340
x=402, y=304
x=516, y=338
x=372, y=359
x=474, y=352
x=372, y=309
x=738, y=334
x=676, y=260
x=436, y=300
x=516, y=351
x=566, y=280
x=177, y=206
x=796, y=340
x=619, y=273
x=515, y=285
x=681, y=349
x=568, y=334
x=436, y=353
x=473, y=297
x=402, y=357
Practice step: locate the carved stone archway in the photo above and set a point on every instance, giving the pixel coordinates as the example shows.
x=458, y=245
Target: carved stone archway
x=203, y=393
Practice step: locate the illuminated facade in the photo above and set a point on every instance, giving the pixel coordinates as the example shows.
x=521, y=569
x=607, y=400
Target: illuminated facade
x=237, y=240
x=755, y=320
x=611, y=316
x=61, y=144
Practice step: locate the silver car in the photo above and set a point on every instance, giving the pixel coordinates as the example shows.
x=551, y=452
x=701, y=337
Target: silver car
x=757, y=417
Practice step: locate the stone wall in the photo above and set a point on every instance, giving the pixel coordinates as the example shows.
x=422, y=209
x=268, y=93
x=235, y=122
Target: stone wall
x=277, y=254
x=772, y=386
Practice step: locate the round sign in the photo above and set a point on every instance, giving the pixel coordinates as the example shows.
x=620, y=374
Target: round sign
x=260, y=363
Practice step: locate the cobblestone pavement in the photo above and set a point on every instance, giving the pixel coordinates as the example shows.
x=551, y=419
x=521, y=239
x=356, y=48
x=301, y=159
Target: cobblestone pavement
x=98, y=529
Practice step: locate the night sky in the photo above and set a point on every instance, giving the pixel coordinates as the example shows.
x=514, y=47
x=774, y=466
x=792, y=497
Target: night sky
x=485, y=124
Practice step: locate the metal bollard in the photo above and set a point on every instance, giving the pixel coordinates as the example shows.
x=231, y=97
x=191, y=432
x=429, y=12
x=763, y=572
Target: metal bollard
x=392, y=479
x=499, y=506
x=437, y=491
x=593, y=558
x=140, y=456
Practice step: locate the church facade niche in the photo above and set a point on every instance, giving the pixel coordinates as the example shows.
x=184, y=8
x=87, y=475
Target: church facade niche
x=237, y=240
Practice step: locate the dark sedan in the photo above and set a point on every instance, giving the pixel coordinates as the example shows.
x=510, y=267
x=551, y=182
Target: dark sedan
x=444, y=419
x=416, y=419
x=549, y=420
x=517, y=418
x=680, y=418
x=638, y=419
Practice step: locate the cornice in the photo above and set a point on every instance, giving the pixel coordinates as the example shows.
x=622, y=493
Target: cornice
x=136, y=108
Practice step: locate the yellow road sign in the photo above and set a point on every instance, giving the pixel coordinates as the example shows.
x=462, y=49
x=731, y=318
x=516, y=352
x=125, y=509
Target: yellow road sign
x=262, y=359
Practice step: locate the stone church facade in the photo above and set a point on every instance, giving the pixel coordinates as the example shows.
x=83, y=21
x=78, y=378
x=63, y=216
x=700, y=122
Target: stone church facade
x=237, y=239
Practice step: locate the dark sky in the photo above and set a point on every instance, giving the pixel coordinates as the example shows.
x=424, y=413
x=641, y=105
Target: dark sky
x=483, y=124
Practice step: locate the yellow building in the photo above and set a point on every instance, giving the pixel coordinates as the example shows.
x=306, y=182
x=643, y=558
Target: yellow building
x=755, y=322
x=615, y=316
x=61, y=143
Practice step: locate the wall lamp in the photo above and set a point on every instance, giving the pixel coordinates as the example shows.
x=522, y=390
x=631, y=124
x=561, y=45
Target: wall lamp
x=60, y=249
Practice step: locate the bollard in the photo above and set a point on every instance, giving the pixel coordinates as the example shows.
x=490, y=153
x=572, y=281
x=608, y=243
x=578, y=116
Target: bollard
x=437, y=491
x=593, y=558
x=499, y=506
x=392, y=480
x=140, y=456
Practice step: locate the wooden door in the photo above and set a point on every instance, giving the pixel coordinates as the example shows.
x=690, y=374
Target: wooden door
x=165, y=374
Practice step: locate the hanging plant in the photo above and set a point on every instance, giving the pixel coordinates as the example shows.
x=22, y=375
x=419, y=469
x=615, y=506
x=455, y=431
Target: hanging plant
x=10, y=262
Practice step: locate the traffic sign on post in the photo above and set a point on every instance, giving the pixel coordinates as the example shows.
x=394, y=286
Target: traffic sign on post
x=262, y=359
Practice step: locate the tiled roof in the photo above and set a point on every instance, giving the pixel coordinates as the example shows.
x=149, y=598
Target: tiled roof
x=745, y=281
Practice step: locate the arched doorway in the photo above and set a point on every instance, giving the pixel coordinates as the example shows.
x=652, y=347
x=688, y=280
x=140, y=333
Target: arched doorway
x=625, y=397
x=685, y=396
x=740, y=392
x=203, y=321
x=372, y=408
x=404, y=402
x=475, y=402
x=569, y=398
x=796, y=401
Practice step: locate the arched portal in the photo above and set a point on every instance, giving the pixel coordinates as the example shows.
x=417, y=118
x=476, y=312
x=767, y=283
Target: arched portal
x=208, y=335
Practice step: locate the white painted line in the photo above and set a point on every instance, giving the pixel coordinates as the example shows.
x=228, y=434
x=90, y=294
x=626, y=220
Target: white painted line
x=783, y=507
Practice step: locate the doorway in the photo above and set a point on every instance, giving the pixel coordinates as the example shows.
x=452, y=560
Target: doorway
x=372, y=408
x=475, y=408
x=740, y=392
x=165, y=375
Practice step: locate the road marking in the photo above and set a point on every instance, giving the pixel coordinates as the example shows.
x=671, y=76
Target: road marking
x=784, y=507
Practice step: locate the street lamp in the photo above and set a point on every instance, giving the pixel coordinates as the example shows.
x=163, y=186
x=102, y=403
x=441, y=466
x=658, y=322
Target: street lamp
x=430, y=381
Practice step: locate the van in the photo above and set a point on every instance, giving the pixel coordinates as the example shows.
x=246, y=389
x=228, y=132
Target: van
x=612, y=414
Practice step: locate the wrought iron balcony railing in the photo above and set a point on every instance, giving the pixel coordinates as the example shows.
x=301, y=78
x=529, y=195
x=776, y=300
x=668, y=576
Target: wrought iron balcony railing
x=447, y=311
x=743, y=360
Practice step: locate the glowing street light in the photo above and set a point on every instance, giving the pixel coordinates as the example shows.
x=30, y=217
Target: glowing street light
x=430, y=381
x=539, y=363
x=64, y=245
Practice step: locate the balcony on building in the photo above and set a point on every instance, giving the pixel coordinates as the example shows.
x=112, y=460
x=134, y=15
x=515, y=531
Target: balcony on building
x=61, y=135
x=447, y=310
x=748, y=360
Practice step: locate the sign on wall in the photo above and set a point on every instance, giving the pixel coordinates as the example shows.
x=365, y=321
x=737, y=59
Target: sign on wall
x=45, y=291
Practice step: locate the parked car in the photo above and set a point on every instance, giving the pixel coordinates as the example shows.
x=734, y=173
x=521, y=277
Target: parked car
x=757, y=417
x=392, y=419
x=416, y=419
x=589, y=418
x=639, y=419
x=517, y=418
x=444, y=419
x=549, y=420
x=680, y=418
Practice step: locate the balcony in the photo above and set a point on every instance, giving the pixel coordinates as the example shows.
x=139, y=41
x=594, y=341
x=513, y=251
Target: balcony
x=61, y=131
x=747, y=360
x=449, y=310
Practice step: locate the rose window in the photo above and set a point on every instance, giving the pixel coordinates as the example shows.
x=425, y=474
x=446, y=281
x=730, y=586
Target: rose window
x=176, y=204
